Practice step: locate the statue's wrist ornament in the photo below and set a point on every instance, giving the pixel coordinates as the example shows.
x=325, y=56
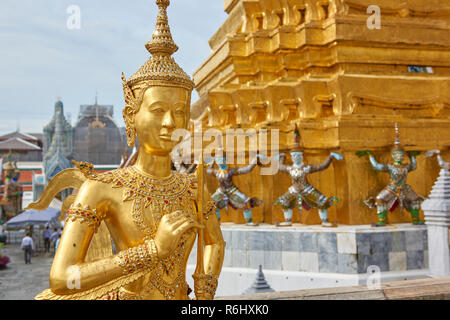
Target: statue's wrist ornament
x=205, y=285
x=136, y=258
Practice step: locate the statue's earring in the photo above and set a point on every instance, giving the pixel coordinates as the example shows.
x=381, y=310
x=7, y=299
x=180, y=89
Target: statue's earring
x=131, y=136
x=129, y=112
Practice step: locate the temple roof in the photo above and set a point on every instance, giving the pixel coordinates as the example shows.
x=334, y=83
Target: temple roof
x=18, y=144
x=23, y=136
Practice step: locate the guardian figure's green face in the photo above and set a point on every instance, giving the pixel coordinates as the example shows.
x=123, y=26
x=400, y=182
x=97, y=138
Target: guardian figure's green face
x=398, y=156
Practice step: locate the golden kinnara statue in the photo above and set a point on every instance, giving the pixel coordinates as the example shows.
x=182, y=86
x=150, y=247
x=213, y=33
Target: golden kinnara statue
x=151, y=214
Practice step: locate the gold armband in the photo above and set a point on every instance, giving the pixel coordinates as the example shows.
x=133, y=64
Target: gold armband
x=136, y=258
x=205, y=286
x=91, y=217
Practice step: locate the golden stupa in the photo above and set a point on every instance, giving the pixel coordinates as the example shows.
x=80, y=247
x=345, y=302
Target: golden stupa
x=326, y=66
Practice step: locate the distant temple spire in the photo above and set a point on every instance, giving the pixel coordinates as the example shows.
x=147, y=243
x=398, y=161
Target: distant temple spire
x=59, y=133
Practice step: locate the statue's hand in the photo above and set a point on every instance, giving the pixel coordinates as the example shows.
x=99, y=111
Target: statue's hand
x=170, y=229
x=337, y=156
x=209, y=161
x=279, y=156
x=363, y=153
x=260, y=157
x=432, y=153
x=413, y=153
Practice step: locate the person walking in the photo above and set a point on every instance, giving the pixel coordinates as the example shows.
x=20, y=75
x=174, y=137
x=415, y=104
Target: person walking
x=57, y=242
x=28, y=247
x=54, y=237
x=47, y=236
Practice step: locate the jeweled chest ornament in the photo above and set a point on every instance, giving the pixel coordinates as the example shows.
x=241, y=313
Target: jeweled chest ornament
x=158, y=196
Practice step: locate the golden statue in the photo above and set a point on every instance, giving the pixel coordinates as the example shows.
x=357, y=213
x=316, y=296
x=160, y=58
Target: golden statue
x=11, y=204
x=151, y=214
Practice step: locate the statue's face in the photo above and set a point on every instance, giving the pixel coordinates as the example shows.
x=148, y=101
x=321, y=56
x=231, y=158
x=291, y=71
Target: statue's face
x=297, y=157
x=162, y=111
x=398, y=156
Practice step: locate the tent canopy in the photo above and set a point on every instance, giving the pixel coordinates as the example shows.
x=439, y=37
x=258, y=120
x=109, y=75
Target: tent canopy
x=35, y=218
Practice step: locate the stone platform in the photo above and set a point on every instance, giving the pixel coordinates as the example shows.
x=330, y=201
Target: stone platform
x=308, y=257
x=422, y=289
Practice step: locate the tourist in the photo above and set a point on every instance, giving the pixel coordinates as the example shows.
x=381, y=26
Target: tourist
x=57, y=242
x=28, y=247
x=47, y=236
x=54, y=237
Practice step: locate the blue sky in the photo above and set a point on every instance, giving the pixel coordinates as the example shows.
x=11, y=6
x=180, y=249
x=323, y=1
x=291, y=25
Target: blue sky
x=41, y=59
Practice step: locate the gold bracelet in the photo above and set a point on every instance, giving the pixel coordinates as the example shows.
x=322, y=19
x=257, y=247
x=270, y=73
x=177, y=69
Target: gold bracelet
x=91, y=217
x=136, y=258
x=210, y=208
x=205, y=285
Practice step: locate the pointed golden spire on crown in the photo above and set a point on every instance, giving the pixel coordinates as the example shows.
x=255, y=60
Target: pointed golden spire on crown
x=162, y=43
x=161, y=69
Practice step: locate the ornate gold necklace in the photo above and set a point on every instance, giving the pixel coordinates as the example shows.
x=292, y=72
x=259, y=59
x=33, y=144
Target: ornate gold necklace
x=161, y=196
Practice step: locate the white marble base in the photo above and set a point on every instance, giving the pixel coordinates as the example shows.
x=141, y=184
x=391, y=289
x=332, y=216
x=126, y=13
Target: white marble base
x=234, y=281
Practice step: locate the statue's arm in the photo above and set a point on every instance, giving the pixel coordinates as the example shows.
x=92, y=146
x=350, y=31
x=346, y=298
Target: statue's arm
x=442, y=163
x=377, y=166
x=192, y=168
x=320, y=167
x=72, y=249
x=413, y=165
x=247, y=169
x=213, y=254
x=282, y=166
x=210, y=170
x=214, y=245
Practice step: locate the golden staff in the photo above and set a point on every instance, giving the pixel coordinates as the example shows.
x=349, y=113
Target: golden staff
x=200, y=270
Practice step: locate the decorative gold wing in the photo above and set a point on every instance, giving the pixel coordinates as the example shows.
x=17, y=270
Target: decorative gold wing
x=101, y=246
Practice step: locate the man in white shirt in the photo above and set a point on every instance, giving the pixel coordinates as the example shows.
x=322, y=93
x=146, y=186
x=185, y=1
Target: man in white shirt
x=28, y=247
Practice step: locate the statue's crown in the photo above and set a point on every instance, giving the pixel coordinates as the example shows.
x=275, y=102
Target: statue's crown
x=297, y=145
x=397, y=143
x=161, y=68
